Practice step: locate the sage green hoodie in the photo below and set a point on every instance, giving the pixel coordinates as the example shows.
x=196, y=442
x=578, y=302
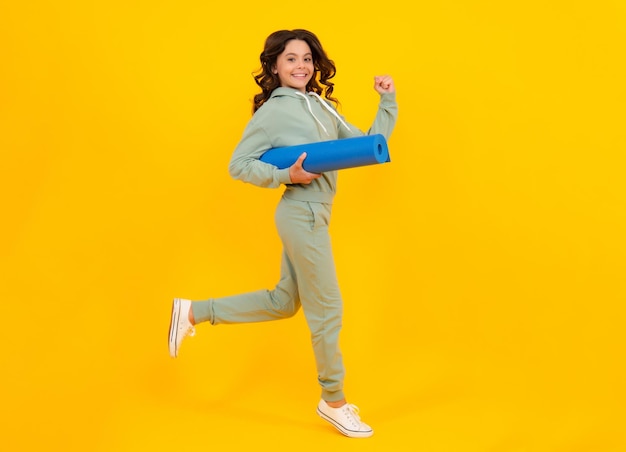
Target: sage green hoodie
x=288, y=118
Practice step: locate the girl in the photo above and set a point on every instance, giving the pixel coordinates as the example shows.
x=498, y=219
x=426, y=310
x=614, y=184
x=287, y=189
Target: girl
x=290, y=110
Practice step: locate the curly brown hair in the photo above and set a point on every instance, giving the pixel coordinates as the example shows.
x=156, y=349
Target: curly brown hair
x=274, y=46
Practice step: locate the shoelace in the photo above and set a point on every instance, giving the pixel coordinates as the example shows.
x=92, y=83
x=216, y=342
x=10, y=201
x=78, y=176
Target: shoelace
x=352, y=413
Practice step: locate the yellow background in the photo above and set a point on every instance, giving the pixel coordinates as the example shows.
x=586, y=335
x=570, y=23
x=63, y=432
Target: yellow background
x=482, y=270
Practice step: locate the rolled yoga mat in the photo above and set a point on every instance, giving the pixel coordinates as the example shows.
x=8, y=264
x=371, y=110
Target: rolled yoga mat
x=332, y=155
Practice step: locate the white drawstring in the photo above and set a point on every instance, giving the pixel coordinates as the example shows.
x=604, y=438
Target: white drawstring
x=308, y=103
x=311, y=111
x=330, y=110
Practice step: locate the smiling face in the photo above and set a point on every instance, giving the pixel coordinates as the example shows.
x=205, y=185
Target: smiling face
x=294, y=66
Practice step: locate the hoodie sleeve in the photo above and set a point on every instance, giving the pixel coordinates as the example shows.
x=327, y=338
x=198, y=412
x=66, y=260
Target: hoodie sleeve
x=245, y=164
x=386, y=116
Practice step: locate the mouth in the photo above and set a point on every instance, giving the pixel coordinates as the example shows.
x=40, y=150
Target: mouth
x=299, y=75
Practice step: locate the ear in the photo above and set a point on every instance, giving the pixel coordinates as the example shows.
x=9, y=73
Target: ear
x=274, y=70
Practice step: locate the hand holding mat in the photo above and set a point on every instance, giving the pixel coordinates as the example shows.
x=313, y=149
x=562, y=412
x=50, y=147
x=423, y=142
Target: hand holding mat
x=332, y=155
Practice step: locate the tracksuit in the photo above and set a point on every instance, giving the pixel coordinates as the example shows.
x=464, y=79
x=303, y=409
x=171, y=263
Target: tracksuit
x=308, y=278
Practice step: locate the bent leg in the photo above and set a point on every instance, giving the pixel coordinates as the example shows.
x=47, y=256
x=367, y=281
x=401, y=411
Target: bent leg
x=257, y=306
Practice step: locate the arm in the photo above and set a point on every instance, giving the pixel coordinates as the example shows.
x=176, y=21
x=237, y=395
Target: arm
x=387, y=108
x=386, y=115
x=246, y=166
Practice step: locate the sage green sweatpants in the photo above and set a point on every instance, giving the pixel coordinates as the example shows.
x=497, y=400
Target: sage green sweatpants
x=307, y=279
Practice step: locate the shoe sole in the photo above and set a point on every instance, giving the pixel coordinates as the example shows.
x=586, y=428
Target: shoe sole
x=346, y=432
x=174, y=321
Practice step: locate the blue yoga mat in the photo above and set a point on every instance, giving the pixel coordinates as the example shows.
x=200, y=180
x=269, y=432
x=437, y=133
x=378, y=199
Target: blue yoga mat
x=332, y=155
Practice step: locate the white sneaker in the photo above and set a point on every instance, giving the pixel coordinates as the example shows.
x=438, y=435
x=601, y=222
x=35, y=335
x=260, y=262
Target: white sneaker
x=180, y=326
x=345, y=419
